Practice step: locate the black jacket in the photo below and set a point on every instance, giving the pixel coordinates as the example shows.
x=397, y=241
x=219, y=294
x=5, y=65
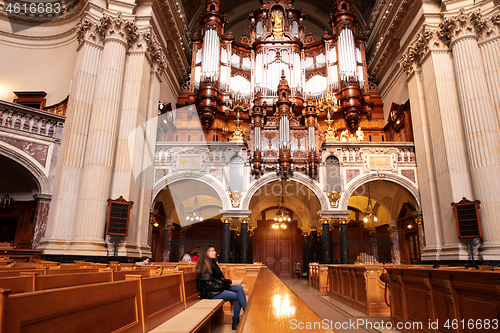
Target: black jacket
x=211, y=285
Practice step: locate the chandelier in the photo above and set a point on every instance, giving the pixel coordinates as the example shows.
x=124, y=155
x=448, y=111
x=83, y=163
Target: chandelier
x=195, y=214
x=282, y=215
x=369, y=211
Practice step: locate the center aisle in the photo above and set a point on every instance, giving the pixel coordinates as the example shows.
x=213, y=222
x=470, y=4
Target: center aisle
x=274, y=308
x=340, y=314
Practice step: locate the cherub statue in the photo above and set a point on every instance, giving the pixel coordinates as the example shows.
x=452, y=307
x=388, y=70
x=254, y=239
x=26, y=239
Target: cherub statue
x=360, y=135
x=344, y=135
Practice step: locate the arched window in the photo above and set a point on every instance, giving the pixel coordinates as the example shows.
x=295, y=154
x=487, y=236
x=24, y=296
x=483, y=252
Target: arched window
x=236, y=174
x=333, y=174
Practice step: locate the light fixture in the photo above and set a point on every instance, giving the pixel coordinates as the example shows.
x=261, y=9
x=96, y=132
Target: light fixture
x=5, y=201
x=369, y=211
x=195, y=214
x=282, y=215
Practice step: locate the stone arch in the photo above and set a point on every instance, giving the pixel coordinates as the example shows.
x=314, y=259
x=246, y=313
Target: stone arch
x=30, y=165
x=209, y=180
x=298, y=177
x=403, y=182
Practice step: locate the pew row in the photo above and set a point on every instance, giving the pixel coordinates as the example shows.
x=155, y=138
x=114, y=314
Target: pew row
x=318, y=276
x=360, y=287
x=468, y=298
x=137, y=304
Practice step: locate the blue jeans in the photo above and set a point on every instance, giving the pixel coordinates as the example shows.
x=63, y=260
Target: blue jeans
x=235, y=293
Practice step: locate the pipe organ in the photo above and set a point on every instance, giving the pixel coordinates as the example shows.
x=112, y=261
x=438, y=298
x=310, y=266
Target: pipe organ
x=283, y=74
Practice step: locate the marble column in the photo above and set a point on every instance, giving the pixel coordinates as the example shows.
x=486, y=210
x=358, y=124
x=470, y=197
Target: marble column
x=60, y=226
x=421, y=234
x=244, y=241
x=344, y=241
x=226, y=239
x=99, y=155
x=41, y=217
x=396, y=252
x=482, y=131
x=167, y=237
x=314, y=245
x=326, y=242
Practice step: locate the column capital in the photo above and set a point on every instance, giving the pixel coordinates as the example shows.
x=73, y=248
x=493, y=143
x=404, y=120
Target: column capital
x=225, y=219
x=87, y=30
x=244, y=219
x=325, y=220
x=462, y=25
x=117, y=28
x=343, y=220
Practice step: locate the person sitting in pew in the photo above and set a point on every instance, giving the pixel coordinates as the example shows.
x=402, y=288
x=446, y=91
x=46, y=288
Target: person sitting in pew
x=213, y=285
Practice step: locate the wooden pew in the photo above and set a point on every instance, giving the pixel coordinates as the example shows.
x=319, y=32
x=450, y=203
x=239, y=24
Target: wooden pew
x=162, y=298
x=429, y=295
x=102, y=307
x=31, y=281
x=359, y=286
x=273, y=307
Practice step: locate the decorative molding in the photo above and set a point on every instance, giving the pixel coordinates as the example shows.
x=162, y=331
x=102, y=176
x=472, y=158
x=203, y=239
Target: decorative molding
x=235, y=197
x=334, y=198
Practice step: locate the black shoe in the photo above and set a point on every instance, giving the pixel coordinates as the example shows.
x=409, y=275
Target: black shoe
x=236, y=321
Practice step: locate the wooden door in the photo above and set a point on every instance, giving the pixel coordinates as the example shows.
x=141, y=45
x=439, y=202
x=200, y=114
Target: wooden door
x=274, y=247
x=412, y=248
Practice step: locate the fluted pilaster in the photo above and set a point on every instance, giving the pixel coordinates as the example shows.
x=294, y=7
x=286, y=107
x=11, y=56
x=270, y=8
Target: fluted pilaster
x=490, y=52
x=426, y=174
x=74, y=141
x=482, y=135
x=99, y=156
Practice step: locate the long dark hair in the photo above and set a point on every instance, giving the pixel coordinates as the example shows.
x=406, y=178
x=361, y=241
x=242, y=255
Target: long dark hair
x=204, y=263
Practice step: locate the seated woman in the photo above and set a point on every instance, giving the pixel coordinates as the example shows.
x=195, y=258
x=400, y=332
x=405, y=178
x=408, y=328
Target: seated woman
x=213, y=285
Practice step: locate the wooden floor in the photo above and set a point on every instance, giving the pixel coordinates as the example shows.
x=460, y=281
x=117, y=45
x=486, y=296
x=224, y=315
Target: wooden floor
x=324, y=306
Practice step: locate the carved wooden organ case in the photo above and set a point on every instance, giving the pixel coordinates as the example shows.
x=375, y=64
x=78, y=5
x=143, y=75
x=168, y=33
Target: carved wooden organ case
x=283, y=74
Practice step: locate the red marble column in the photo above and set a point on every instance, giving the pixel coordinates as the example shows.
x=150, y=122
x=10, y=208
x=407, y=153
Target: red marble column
x=41, y=218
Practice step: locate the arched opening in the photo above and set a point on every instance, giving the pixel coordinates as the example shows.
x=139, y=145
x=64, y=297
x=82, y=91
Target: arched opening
x=281, y=248
x=380, y=210
x=189, y=215
x=332, y=168
x=17, y=208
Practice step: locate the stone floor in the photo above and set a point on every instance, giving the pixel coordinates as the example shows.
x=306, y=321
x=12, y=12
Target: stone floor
x=330, y=310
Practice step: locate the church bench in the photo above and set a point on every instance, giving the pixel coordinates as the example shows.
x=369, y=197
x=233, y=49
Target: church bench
x=32, y=281
x=162, y=298
x=120, y=275
x=428, y=295
x=101, y=307
x=359, y=286
x=197, y=318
